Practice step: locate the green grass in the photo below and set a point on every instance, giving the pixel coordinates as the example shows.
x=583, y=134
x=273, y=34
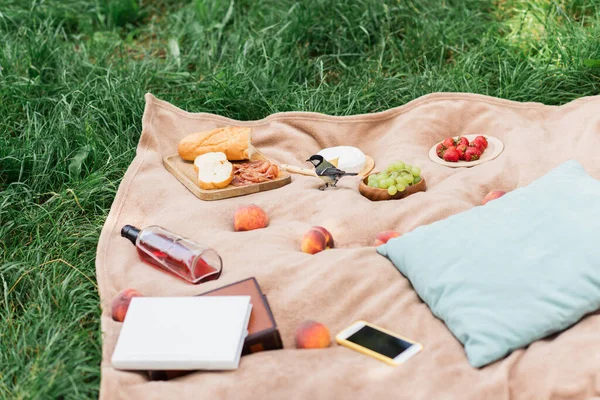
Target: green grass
x=72, y=78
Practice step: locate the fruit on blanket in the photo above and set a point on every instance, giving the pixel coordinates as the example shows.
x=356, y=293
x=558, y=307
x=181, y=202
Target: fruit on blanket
x=312, y=335
x=383, y=237
x=462, y=140
x=316, y=240
x=493, y=195
x=451, y=154
x=440, y=150
x=250, y=217
x=120, y=303
x=472, y=154
x=461, y=148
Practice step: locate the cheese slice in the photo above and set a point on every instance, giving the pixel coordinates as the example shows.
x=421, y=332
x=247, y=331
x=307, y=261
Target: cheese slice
x=214, y=171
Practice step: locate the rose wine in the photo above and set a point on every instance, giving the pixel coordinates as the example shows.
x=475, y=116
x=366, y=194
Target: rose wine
x=175, y=254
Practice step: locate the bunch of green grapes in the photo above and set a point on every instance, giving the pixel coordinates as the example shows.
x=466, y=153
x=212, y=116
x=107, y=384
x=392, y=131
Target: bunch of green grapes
x=395, y=178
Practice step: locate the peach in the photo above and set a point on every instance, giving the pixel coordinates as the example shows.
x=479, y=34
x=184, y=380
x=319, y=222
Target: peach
x=316, y=239
x=493, y=195
x=248, y=218
x=120, y=303
x=312, y=335
x=383, y=237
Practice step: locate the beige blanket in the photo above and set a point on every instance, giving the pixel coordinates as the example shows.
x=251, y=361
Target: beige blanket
x=352, y=281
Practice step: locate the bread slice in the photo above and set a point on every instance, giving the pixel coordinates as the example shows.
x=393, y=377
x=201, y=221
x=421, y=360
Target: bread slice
x=233, y=141
x=214, y=171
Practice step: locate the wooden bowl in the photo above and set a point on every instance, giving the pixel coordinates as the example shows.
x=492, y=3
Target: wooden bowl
x=378, y=194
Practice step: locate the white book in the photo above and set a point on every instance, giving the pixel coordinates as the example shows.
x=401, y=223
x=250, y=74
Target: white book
x=183, y=333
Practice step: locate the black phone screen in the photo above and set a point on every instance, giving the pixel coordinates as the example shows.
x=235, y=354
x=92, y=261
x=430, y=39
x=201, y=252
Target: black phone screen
x=379, y=342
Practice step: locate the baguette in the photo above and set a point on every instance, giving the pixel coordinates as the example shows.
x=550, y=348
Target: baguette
x=233, y=141
x=214, y=171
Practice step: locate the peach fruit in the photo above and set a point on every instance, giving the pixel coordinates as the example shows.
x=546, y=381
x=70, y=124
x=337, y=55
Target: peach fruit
x=383, y=237
x=248, y=218
x=492, y=196
x=312, y=335
x=316, y=239
x=120, y=304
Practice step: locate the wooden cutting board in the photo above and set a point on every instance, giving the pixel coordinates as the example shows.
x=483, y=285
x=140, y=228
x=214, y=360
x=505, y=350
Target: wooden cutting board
x=184, y=172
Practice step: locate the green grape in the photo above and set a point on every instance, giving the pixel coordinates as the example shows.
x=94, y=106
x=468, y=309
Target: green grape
x=416, y=171
x=407, y=166
x=392, y=190
x=408, y=178
x=417, y=180
x=382, y=184
x=401, y=181
x=398, y=165
x=390, y=182
x=394, y=174
x=400, y=187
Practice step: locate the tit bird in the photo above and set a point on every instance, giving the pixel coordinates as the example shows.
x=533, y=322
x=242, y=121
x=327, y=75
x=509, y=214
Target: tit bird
x=327, y=171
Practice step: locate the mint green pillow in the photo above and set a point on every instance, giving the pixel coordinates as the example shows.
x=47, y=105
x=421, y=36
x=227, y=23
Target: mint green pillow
x=532, y=267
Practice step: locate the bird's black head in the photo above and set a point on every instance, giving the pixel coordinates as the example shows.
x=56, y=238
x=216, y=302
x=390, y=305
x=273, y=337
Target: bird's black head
x=315, y=160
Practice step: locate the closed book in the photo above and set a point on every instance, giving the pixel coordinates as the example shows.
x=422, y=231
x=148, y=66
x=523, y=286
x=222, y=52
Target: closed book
x=183, y=333
x=262, y=330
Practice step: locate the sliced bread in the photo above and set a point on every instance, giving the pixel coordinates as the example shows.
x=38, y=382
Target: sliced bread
x=214, y=171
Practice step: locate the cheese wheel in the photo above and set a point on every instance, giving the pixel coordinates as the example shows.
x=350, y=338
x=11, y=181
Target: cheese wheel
x=350, y=159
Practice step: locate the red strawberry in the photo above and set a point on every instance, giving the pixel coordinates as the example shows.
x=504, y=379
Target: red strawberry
x=483, y=140
x=472, y=154
x=461, y=150
x=448, y=142
x=462, y=140
x=479, y=145
x=451, y=154
x=440, y=150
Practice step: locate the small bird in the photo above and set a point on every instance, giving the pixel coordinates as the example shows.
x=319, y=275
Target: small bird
x=327, y=171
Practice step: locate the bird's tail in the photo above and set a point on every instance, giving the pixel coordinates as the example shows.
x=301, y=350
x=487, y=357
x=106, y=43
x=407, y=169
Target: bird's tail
x=350, y=174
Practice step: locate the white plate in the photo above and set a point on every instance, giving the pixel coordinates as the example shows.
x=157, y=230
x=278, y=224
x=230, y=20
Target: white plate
x=495, y=147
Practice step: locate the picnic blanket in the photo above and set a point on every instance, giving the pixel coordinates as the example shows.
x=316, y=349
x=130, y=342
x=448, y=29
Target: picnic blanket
x=352, y=281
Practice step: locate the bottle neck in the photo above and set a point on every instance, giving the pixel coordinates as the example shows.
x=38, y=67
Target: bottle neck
x=130, y=232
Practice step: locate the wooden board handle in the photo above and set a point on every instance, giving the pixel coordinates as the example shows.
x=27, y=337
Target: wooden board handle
x=298, y=170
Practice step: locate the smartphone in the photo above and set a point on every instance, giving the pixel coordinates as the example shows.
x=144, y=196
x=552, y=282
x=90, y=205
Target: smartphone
x=378, y=343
